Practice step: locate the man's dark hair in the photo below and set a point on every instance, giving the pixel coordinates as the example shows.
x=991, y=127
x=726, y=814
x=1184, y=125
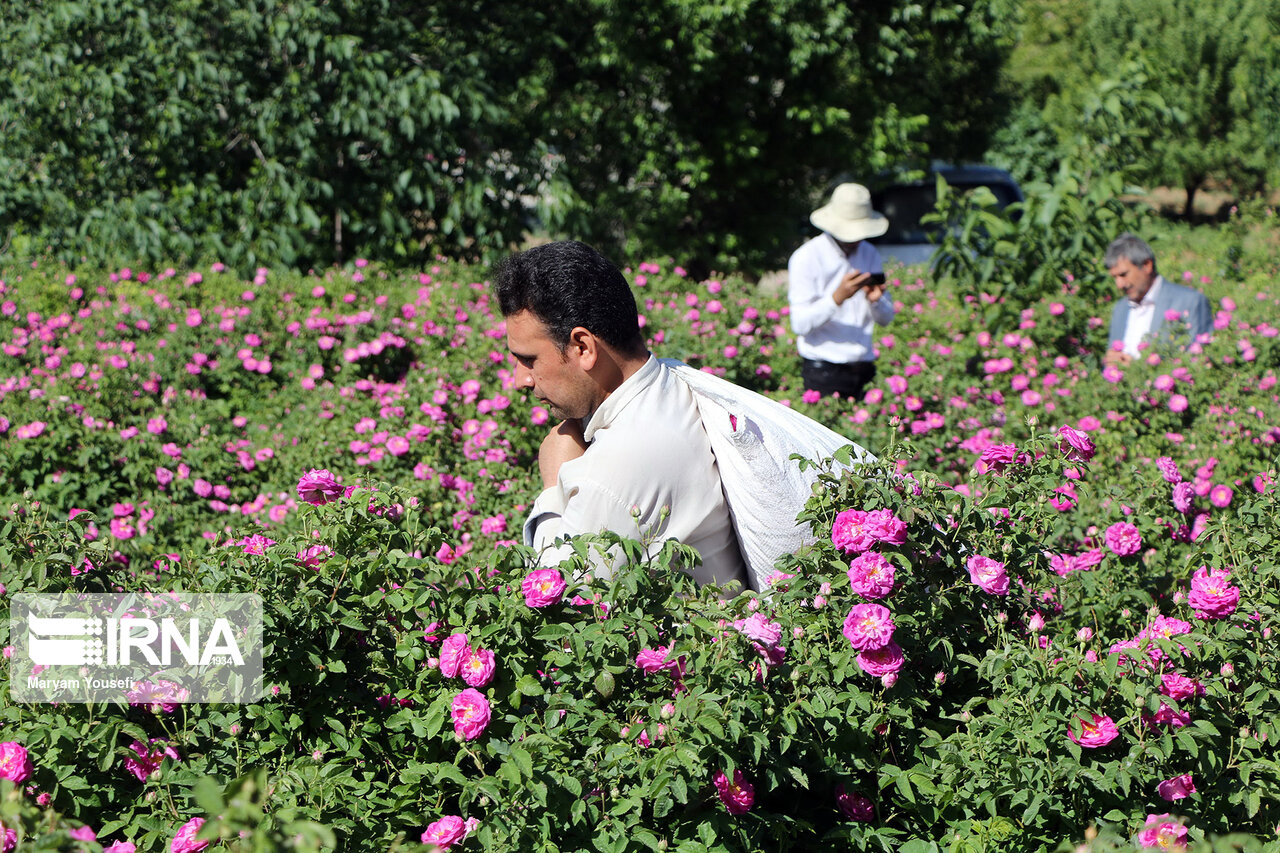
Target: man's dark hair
x=569, y=284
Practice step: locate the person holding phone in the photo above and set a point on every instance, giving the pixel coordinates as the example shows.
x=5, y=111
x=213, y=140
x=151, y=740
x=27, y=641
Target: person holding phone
x=836, y=287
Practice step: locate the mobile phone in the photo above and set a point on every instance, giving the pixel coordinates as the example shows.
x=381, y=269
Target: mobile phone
x=876, y=278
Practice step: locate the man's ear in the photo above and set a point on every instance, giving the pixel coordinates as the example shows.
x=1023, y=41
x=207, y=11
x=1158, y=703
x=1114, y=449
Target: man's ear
x=583, y=346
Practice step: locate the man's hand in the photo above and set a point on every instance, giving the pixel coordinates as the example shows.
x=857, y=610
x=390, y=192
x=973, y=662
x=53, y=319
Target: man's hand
x=874, y=292
x=849, y=285
x=1118, y=358
x=563, y=443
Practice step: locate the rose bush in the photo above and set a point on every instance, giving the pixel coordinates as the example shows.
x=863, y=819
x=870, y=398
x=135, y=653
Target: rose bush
x=353, y=438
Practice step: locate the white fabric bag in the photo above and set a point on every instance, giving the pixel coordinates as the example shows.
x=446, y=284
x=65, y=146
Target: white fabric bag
x=752, y=438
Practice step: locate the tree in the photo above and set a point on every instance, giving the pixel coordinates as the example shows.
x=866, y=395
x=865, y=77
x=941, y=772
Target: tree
x=1205, y=62
x=306, y=132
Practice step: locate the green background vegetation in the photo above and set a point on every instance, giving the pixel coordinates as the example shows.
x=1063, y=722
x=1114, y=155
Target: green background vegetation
x=310, y=132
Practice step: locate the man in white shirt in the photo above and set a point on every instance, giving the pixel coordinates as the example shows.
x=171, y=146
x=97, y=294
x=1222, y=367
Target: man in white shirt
x=630, y=454
x=836, y=287
x=1153, y=307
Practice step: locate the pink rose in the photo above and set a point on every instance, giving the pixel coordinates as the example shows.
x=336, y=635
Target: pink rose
x=318, y=486
x=1094, y=734
x=1184, y=496
x=1162, y=832
x=1212, y=596
x=445, y=832
x=15, y=762
x=855, y=530
x=543, y=587
x=868, y=626
x=758, y=627
x=988, y=574
x=871, y=575
x=147, y=760
x=998, y=457
x=470, y=710
x=478, y=667
x=1075, y=445
x=854, y=806
x=8, y=837
x=314, y=555
x=185, y=841
x=121, y=847
x=1176, y=788
x=886, y=660
x=1178, y=687
x=655, y=660
x=1123, y=539
x=738, y=795
x=453, y=651
x=83, y=833
x=256, y=545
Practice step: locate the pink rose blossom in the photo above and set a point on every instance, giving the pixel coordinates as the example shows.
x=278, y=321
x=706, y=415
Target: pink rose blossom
x=453, y=651
x=855, y=530
x=318, y=486
x=1164, y=833
x=758, y=627
x=314, y=555
x=871, y=575
x=988, y=574
x=998, y=457
x=15, y=762
x=1169, y=470
x=1212, y=596
x=738, y=795
x=470, y=711
x=121, y=847
x=185, y=840
x=1176, y=788
x=256, y=545
x=1075, y=445
x=147, y=760
x=655, y=660
x=478, y=668
x=886, y=660
x=543, y=587
x=868, y=626
x=1220, y=496
x=1100, y=732
x=1123, y=539
x=1178, y=687
x=445, y=832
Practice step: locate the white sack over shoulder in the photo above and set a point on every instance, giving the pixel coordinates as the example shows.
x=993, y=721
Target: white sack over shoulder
x=753, y=438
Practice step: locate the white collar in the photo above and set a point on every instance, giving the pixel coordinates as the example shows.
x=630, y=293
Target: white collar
x=619, y=397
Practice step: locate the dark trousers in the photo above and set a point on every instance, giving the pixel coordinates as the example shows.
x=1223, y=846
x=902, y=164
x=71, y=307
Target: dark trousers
x=828, y=378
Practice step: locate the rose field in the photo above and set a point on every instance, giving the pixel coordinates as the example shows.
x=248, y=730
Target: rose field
x=1041, y=621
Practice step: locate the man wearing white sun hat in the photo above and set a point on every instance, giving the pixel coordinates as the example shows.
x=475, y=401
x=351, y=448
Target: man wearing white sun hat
x=837, y=293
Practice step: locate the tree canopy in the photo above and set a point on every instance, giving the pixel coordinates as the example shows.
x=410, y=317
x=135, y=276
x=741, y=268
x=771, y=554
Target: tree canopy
x=312, y=131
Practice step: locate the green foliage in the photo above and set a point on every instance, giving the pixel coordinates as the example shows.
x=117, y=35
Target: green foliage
x=1049, y=245
x=307, y=133
x=281, y=133
x=1179, y=89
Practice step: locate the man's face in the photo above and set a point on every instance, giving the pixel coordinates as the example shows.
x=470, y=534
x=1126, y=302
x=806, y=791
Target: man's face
x=1133, y=280
x=556, y=379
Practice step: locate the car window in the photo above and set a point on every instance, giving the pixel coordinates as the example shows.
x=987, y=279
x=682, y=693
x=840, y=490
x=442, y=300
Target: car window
x=905, y=204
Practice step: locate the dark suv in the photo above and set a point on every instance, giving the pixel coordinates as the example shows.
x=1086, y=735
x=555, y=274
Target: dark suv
x=904, y=202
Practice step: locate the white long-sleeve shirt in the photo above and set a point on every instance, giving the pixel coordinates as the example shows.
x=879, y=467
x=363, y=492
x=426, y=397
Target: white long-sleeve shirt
x=840, y=334
x=646, y=450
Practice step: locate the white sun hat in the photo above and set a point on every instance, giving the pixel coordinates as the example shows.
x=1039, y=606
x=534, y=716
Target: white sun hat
x=848, y=216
